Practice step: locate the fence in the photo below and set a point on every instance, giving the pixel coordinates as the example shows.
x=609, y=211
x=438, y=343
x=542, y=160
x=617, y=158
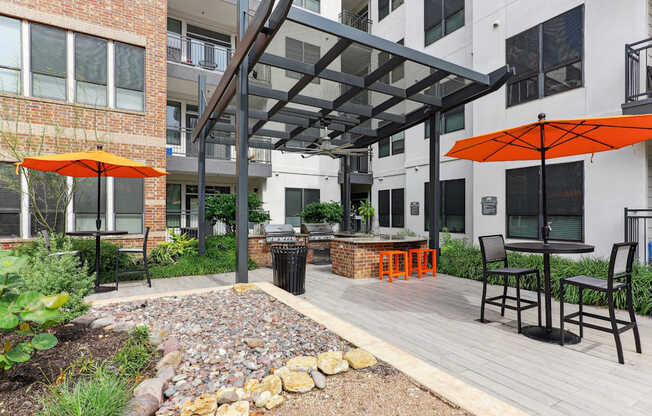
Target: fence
x=636, y=229
x=187, y=222
x=637, y=66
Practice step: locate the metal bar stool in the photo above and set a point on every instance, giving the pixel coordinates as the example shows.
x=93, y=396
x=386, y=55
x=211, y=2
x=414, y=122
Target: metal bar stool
x=394, y=262
x=422, y=261
x=143, y=252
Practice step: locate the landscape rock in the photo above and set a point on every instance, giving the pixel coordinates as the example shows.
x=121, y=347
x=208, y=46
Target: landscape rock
x=263, y=398
x=250, y=385
x=84, y=320
x=172, y=359
x=168, y=346
x=122, y=327
x=156, y=338
x=241, y=288
x=143, y=405
x=297, y=382
x=228, y=395
x=204, y=405
x=302, y=363
x=235, y=409
x=165, y=373
x=281, y=370
x=274, y=401
x=332, y=363
x=271, y=383
x=254, y=342
x=102, y=322
x=318, y=378
x=359, y=358
x=151, y=386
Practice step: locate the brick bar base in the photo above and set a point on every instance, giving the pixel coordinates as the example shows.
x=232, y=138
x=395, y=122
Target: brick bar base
x=259, y=251
x=360, y=260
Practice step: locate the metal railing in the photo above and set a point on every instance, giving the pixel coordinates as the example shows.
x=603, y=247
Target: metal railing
x=190, y=51
x=636, y=229
x=349, y=18
x=638, y=70
x=187, y=222
x=359, y=164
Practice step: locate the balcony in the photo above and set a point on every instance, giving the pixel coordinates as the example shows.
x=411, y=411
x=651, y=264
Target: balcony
x=349, y=18
x=638, y=78
x=220, y=158
x=360, y=170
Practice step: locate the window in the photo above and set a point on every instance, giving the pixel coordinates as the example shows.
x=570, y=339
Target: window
x=312, y=5
x=85, y=204
x=452, y=207
x=48, y=61
x=398, y=143
x=384, y=7
x=399, y=72
x=398, y=208
x=174, y=26
x=553, y=52
x=451, y=120
x=565, y=201
x=302, y=52
x=129, y=77
x=173, y=119
x=442, y=17
x=296, y=199
x=129, y=206
x=90, y=69
x=383, y=147
x=47, y=201
x=173, y=205
x=383, y=208
x=394, y=75
x=9, y=200
x=10, y=56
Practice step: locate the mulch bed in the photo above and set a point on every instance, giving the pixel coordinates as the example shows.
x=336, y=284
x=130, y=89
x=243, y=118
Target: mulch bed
x=26, y=382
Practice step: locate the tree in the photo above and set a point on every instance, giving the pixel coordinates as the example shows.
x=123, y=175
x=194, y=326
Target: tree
x=320, y=212
x=222, y=208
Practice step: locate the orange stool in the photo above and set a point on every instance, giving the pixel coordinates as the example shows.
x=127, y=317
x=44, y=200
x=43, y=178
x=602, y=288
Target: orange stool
x=422, y=261
x=393, y=260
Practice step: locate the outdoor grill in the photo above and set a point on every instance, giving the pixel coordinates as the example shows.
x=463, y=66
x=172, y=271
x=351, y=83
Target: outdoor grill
x=280, y=234
x=317, y=232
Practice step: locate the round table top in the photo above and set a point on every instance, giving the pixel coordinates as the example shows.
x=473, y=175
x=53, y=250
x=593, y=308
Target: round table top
x=94, y=233
x=550, y=248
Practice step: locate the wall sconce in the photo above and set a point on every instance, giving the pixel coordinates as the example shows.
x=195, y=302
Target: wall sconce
x=326, y=178
x=380, y=179
x=416, y=168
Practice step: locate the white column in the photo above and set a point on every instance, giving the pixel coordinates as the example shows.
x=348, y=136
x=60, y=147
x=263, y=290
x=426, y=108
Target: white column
x=24, y=208
x=110, y=205
x=70, y=214
x=27, y=91
x=183, y=128
x=110, y=82
x=71, y=66
x=184, y=51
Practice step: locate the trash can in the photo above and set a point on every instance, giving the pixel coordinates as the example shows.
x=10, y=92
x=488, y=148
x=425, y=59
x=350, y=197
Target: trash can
x=289, y=265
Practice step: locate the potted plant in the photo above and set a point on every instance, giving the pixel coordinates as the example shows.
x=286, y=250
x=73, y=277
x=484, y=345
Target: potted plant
x=366, y=209
x=323, y=212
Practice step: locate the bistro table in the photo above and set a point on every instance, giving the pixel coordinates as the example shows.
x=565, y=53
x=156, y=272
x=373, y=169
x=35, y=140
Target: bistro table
x=97, y=235
x=548, y=333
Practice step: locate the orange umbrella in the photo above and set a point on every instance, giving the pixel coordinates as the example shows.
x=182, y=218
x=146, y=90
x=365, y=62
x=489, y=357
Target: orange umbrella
x=90, y=164
x=556, y=138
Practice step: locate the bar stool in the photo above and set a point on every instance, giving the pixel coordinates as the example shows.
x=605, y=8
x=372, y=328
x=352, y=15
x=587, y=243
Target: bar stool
x=393, y=260
x=422, y=261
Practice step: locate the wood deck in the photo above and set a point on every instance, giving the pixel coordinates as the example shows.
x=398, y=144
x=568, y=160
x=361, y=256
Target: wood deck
x=435, y=319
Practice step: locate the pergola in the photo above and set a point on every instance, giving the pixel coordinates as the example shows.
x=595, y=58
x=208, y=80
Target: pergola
x=296, y=77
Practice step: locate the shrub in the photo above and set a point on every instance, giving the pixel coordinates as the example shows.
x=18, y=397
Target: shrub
x=135, y=355
x=460, y=258
x=320, y=212
x=86, y=247
x=222, y=208
x=168, y=252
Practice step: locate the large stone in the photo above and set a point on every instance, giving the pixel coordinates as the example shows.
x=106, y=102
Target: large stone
x=332, y=363
x=228, y=395
x=302, y=363
x=251, y=384
x=152, y=386
x=274, y=401
x=318, y=378
x=241, y=288
x=359, y=358
x=263, y=398
x=165, y=373
x=204, y=405
x=156, y=338
x=297, y=382
x=281, y=370
x=235, y=409
x=254, y=342
x=102, y=322
x=169, y=345
x=172, y=359
x=143, y=405
x=84, y=320
x=271, y=383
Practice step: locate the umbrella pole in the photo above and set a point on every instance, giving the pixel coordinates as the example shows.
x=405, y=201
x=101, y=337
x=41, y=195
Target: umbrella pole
x=98, y=226
x=543, y=216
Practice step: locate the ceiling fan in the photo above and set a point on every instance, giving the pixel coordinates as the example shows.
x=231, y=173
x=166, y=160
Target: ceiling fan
x=325, y=148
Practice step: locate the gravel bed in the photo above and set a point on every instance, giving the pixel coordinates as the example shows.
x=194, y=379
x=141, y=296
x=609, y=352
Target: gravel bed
x=228, y=339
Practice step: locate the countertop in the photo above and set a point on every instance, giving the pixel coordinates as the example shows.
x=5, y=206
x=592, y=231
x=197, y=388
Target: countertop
x=366, y=240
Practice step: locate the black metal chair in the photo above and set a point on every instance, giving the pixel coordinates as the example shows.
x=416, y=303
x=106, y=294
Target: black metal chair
x=142, y=251
x=48, y=246
x=620, y=266
x=493, y=251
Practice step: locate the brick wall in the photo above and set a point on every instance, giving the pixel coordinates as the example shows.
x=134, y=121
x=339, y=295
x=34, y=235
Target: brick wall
x=73, y=127
x=360, y=260
x=259, y=251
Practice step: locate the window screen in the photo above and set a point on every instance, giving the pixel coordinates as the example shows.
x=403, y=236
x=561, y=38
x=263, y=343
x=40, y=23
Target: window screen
x=85, y=203
x=48, y=61
x=129, y=204
x=130, y=76
x=10, y=55
x=9, y=201
x=90, y=69
x=398, y=208
x=383, y=208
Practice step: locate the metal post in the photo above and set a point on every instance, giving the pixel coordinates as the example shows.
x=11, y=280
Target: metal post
x=201, y=167
x=98, y=224
x=242, y=162
x=347, y=193
x=543, y=217
x=625, y=227
x=435, y=197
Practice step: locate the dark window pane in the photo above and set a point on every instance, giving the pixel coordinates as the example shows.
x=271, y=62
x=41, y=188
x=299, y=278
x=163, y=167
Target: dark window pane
x=563, y=79
x=173, y=197
x=221, y=38
x=453, y=120
x=454, y=22
x=383, y=147
x=85, y=197
x=383, y=9
x=523, y=91
x=563, y=39
x=398, y=208
x=90, y=59
x=565, y=189
x=129, y=194
x=47, y=201
x=434, y=34
x=9, y=201
x=426, y=206
x=567, y=228
x=452, y=7
x=10, y=44
x=522, y=226
x=293, y=206
x=523, y=52
x=173, y=120
x=129, y=67
x=523, y=191
x=174, y=26
x=432, y=14
x=383, y=208
x=396, y=4
x=398, y=143
x=48, y=50
x=453, y=206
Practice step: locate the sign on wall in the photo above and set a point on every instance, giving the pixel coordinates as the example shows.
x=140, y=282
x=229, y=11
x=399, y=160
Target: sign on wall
x=414, y=208
x=489, y=205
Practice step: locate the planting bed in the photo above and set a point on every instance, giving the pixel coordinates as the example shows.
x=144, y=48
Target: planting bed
x=26, y=382
x=228, y=339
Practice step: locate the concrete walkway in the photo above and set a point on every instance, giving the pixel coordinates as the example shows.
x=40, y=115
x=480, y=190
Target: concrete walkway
x=435, y=319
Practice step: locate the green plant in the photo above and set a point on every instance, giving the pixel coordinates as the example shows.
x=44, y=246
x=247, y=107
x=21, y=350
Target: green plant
x=24, y=313
x=135, y=355
x=169, y=251
x=222, y=208
x=103, y=393
x=86, y=248
x=320, y=212
x=460, y=258
x=366, y=209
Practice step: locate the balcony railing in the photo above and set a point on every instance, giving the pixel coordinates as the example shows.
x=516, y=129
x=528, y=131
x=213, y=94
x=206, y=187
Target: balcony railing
x=187, y=222
x=359, y=22
x=213, y=150
x=189, y=51
x=359, y=164
x=638, y=70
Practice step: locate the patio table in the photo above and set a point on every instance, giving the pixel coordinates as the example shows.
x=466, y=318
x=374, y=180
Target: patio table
x=97, y=235
x=548, y=333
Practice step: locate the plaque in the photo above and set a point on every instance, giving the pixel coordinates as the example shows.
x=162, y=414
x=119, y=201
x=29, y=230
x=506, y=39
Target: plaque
x=489, y=205
x=414, y=208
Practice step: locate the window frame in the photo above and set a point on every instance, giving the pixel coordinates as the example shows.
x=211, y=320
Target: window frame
x=382, y=193
x=115, y=76
x=303, y=202
x=397, y=138
x=93, y=211
x=442, y=25
x=168, y=212
x=393, y=208
x=21, y=59
x=541, y=72
x=426, y=124
x=384, y=143
x=12, y=211
x=176, y=104
x=32, y=25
